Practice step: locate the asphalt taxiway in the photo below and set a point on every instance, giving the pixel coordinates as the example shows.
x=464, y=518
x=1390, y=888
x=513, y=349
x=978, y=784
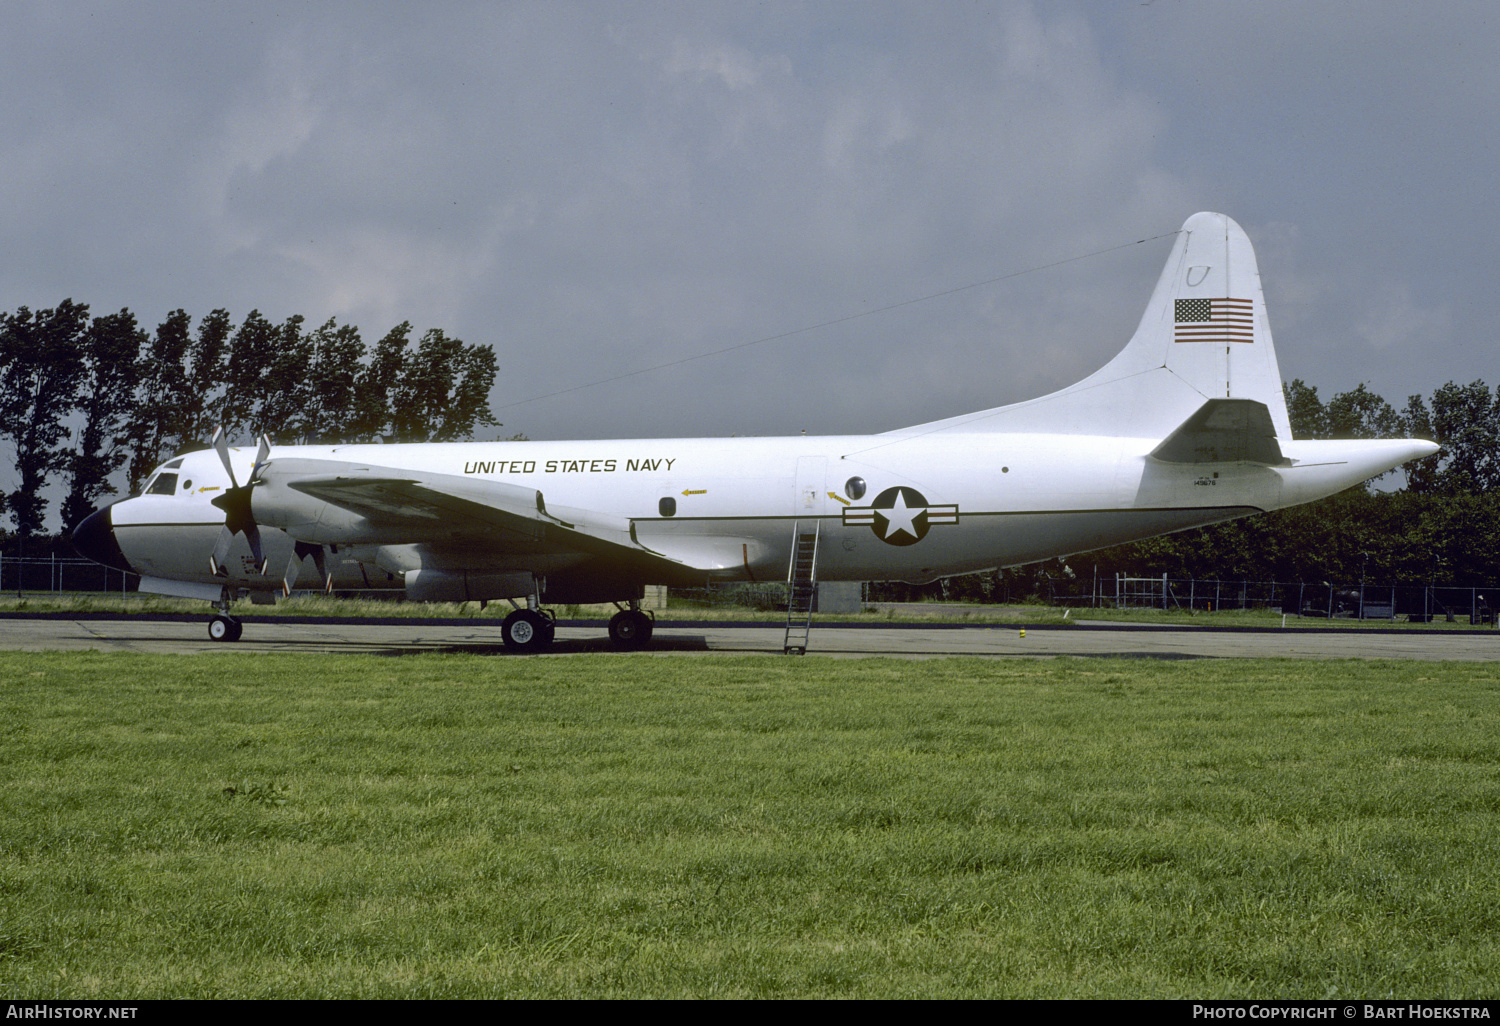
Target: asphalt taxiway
x=396, y=637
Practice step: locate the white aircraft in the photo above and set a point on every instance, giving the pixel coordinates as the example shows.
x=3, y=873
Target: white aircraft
x=1186, y=426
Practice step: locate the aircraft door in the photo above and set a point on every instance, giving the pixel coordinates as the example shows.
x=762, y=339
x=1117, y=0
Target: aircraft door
x=810, y=500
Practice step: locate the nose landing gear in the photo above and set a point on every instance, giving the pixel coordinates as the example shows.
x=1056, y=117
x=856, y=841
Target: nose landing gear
x=224, y=627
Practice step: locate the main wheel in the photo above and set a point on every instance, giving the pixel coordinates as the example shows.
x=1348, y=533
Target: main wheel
x=526, y=630
x=630, y=629
x=225, y=628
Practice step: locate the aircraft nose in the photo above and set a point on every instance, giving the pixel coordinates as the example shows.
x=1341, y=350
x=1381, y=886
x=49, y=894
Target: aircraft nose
x=95, y=538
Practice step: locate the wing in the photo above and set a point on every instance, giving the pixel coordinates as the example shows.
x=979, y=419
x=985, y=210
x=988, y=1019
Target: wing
x=329, y=502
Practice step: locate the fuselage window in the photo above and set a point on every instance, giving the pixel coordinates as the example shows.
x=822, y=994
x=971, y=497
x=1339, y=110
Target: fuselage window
x=855, y=488
x=165, y=484
x=667, y=506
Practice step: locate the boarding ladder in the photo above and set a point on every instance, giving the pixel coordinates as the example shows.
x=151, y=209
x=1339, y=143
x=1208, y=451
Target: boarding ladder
x=803, y=580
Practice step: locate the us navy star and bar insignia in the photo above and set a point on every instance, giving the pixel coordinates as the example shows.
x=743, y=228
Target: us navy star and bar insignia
x=900, y=516
x=1214, y=320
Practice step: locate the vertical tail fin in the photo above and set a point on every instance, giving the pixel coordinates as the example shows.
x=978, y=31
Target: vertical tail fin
x=1204, y=336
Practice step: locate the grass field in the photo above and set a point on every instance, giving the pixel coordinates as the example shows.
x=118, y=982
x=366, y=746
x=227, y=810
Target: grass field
x=632, y=826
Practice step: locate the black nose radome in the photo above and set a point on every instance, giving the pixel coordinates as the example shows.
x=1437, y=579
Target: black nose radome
x=95, y=538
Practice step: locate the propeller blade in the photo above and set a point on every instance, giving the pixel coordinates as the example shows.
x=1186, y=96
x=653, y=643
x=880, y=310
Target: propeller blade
x=252, y=535
x=300, y=552
x=262, y=456
x=220, y=445
x=235, y=502
x=221, y=553
x=320, y=563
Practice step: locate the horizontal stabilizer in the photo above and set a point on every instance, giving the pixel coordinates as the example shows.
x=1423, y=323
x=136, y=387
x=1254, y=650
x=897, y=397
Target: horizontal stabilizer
x=1224, y=431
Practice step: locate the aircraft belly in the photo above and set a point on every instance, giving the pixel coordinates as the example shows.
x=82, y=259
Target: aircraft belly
x=177, y=551
x=181, y=552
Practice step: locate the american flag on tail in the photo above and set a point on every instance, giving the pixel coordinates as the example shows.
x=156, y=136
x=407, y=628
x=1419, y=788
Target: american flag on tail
x=1214, y=320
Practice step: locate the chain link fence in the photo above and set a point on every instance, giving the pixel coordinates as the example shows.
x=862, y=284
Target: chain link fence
x=54, y=576
x=1418, y=603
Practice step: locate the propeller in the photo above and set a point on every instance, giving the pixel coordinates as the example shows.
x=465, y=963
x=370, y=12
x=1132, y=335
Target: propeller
x=300, y=552
x=235, y=502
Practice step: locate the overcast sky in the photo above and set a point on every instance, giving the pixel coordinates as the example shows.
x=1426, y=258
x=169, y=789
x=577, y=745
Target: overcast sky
x=600, y=188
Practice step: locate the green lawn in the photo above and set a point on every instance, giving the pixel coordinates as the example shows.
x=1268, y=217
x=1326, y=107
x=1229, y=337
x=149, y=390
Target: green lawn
x=633, y=826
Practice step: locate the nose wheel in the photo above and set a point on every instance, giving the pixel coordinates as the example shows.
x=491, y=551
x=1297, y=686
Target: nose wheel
x=225, y=628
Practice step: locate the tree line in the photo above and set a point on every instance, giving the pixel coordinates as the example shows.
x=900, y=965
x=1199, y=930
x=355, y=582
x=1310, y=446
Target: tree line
x=83, y=397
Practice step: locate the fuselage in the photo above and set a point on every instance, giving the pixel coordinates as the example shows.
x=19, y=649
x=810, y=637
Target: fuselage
x=886, y=507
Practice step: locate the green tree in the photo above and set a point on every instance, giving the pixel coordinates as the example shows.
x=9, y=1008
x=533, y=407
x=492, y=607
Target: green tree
x=281, y=406
x=1466, y=423
x=443, y=394
x=375, y=386
x=1422, y=475
x=252, y=356
x=1305, y=410
x=332, y=378
x=1360, y=413
x=111, y=370
x=40, y=370
x=161, y=392
x=201, y=408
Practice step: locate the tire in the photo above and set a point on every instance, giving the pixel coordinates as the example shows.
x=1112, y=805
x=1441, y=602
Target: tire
x=526, y=630
x=224, y=628
x=631, y=630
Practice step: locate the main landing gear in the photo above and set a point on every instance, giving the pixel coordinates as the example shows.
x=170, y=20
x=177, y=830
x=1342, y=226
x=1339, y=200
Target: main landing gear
x=529, y=630
x=532, y=630
x=630, y=629
x=224, y=627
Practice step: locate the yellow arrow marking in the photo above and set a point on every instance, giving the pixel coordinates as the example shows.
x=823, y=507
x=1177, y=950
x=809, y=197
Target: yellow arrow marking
x=695, y=491
x=838, y=498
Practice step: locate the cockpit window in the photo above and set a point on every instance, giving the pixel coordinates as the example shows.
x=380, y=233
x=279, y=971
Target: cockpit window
x=172, y=465
x=162, y=484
